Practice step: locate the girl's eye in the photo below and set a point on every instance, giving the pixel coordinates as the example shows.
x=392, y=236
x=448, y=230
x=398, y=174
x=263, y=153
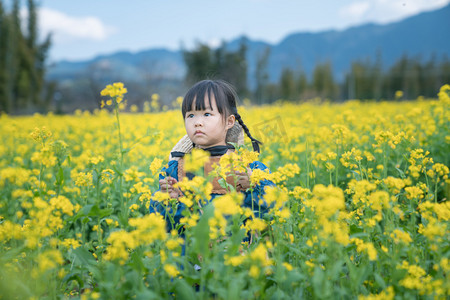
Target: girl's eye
x=190, y=115
x=207, y=114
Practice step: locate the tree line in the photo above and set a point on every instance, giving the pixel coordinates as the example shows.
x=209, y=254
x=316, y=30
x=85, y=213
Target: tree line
x=23, y=88
x=365, y=79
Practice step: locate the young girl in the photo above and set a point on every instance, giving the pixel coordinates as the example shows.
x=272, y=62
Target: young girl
x=212, y=123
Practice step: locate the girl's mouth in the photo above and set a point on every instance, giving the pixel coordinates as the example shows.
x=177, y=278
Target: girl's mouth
x=198, y=132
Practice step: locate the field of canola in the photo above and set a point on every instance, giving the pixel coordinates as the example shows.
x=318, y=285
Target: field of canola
x=360, y=210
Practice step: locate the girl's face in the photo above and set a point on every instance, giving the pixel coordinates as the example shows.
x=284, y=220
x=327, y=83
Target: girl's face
x=207, y=128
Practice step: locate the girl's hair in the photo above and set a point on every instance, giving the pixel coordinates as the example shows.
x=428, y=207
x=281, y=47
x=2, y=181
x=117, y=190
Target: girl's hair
x=226, y=99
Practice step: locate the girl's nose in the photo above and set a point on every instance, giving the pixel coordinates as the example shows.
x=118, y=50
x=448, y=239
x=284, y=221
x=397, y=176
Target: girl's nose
x=198, y=122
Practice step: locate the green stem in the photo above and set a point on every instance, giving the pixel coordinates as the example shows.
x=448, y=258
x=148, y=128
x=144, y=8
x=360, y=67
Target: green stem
x=337, y=165
x=435, y=190
x=120, y=134
x=99, y=233
x=384, y=161
x=307, y=166
x=116, y=109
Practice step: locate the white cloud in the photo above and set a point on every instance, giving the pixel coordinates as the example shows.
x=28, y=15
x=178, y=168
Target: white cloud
x=355, y=10
x=214, y=42
x=384, y=11
x=67, y=28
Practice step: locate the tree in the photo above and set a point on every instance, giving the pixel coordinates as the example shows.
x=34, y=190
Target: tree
x=261, y=75
x=302, y=84
x=22, y=61
x=323, y=81
x=5, y=99
x=204, y=62
x=199, y=63
x=287, y=85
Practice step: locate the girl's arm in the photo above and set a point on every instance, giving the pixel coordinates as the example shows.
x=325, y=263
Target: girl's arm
x=171, y=214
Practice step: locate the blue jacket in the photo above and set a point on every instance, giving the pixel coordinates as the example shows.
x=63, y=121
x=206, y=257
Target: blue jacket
x=249, y=197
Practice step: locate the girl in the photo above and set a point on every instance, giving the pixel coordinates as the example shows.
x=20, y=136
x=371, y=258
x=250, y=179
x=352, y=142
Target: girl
x=212, y=123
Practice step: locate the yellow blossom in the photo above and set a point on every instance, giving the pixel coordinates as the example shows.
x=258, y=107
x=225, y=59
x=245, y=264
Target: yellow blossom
x=155, y=165
x=399, y=236
x=171, y=270
x=115, y=91
x=195, y=160
x=229, y=204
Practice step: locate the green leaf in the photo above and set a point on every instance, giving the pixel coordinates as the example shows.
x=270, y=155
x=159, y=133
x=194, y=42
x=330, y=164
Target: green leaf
x=402, y=174
x=93, y=210
x=60, y=176
x=184, y=290
x=380, y=281
x=222, y=183
x=201, y=232
x=76, y=277
x=147, y=295
x=84, y=256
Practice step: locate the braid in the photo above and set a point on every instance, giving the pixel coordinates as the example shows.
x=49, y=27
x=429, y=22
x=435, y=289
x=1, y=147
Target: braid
x=255, y=142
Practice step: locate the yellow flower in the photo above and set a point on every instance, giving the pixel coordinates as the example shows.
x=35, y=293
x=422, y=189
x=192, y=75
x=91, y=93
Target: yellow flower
x=132, y=174
x=195, y=160
x=256, y=224
x=171, y=270
x=71, y=243
x=413, y=192
x=115, y=91
x=254, y=271
x=441, y=170
x=248, y=157
x=83, y=179
x=229, y=204
x=172, y=244
x=326, y=201
x=444, y=94
x=49, y=259
x=387, y=294
x=134, y=207
x=258, y=175
x=398, y=94
x=288, y=266
x=260, y=255
x=285, y=172
x=155, y=165
x=41, y=135
x=234, y=260
x=394, y=184
x=107, y=176
x=368, y=247
x=62, y=203
x=275, y=195
x=399, y=236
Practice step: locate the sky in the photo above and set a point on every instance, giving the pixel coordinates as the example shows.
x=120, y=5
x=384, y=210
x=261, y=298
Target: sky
x=84, y=29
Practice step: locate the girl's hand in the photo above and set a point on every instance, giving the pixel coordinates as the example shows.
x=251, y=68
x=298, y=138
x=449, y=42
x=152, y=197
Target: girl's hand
x=167, y=185
x=243, y=179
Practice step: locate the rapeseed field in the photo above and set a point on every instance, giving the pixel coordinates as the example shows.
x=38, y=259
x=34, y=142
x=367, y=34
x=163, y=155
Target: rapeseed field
x=360, y=210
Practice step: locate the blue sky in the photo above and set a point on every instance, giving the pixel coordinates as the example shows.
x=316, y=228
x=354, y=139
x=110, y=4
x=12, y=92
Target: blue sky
x=83, y=29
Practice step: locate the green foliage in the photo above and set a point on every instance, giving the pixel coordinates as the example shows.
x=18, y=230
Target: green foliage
x=204, y=62
x=22, y=62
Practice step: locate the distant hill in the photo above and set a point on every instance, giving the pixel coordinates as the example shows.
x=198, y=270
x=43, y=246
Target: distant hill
x=424, y=35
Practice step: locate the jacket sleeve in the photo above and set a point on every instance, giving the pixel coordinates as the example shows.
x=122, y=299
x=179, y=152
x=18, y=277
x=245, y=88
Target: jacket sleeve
x=172, y=171
x=255, y=199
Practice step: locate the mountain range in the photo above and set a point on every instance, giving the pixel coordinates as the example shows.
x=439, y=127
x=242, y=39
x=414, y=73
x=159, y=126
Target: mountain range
x=422, y=36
